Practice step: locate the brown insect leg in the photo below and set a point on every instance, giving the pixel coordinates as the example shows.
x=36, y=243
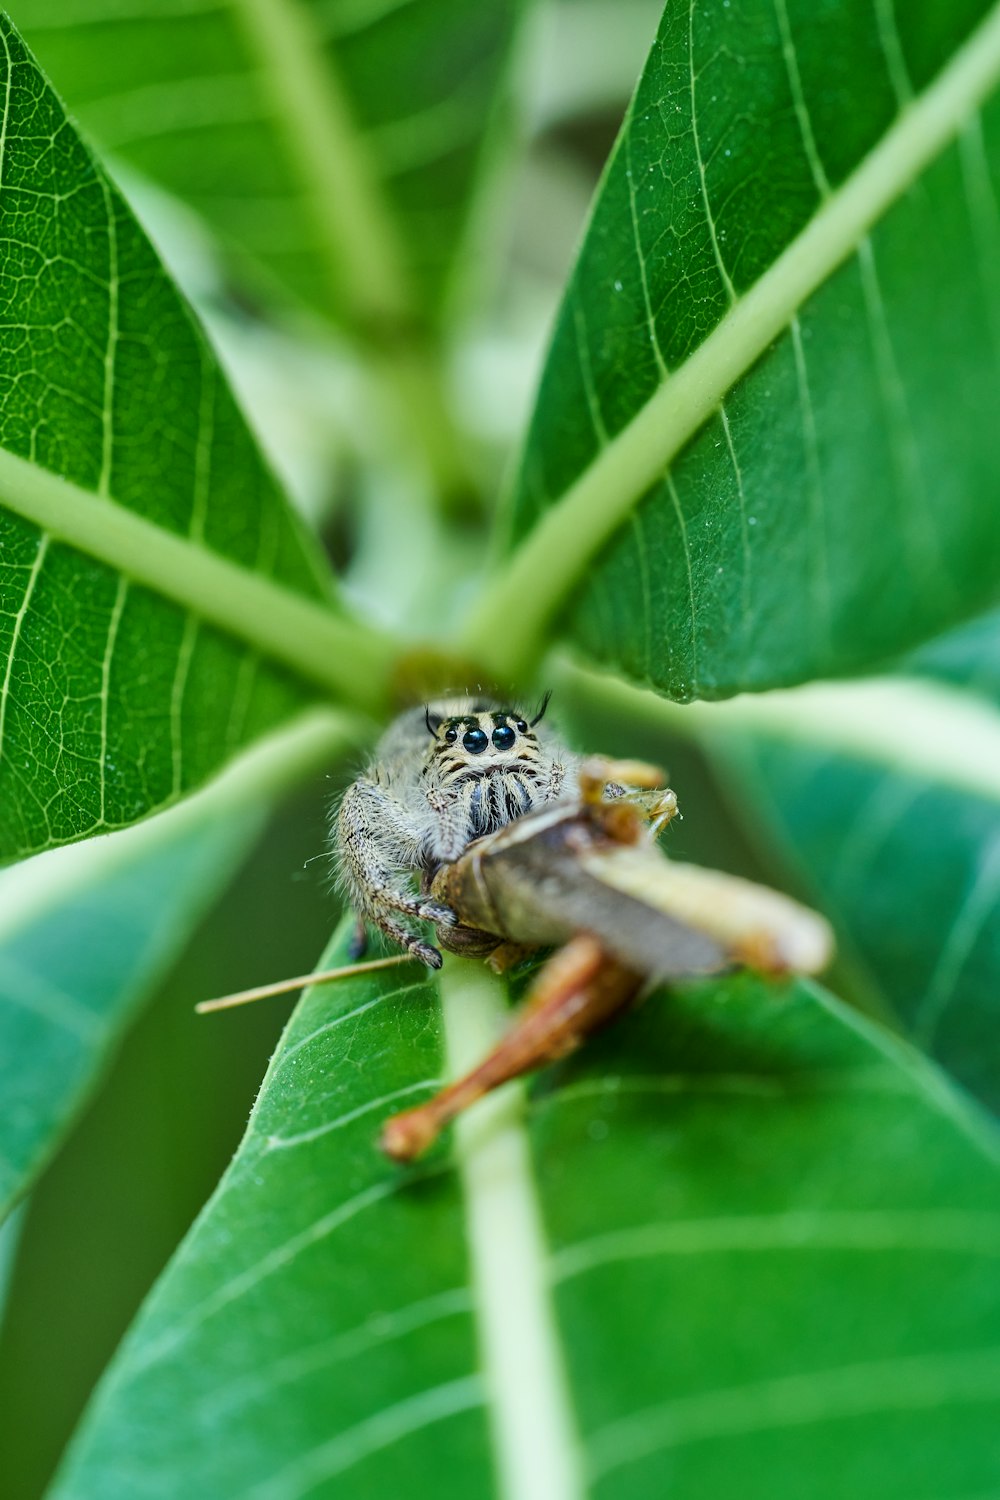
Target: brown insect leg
x=580, y=989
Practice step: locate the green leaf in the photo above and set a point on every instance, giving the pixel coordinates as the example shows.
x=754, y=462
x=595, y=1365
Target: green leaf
x=85, y=934
x=149, y=567
x=334, y=146
x=968, y=657
x=762, y=449
x=10, y=1234
x=744, y=1233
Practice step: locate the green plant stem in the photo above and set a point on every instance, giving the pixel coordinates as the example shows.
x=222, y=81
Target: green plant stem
x=413, y=376
x=350, y=659
x=506, y=630
x=366, y=262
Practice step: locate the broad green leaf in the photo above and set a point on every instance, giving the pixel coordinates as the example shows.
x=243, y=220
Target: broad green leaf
x=10, y=1232
x=968, y=657
x=763, y=445
x=150, y=571
x=85, y=933
x=333, y=145
x=743, y=1234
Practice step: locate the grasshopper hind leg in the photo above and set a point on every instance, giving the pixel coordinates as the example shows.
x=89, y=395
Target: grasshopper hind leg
x=580, y=989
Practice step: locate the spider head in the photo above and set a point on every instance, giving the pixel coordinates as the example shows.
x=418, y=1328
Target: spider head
x=481, y=734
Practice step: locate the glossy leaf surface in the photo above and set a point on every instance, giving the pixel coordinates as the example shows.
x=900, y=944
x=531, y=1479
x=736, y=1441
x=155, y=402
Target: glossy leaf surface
x=114, y=698
x=689, y=1249
x=762, y=450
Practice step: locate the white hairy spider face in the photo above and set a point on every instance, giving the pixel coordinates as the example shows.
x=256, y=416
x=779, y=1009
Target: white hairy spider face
x=480, y=743
x=486, y=764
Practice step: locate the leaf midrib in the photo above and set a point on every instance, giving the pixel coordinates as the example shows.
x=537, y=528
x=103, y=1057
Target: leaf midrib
x=346, y=657
x=506, y=629
x=363, y=252
x=536, y=1446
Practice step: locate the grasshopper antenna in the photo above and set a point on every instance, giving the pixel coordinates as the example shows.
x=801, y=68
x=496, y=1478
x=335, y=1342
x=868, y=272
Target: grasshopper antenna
x=304, y=981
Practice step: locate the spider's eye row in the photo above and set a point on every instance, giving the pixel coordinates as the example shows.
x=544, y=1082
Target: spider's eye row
x=451, y=735
x=521, y=726
x=504, y=737
x=475, y=741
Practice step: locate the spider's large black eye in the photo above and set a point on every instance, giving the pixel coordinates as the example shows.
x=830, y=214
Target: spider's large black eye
x=521, y=727
x=451, y=735
x=504, y=737
x=475, y=741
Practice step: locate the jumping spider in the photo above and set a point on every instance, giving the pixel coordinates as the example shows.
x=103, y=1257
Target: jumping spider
x=441, y=777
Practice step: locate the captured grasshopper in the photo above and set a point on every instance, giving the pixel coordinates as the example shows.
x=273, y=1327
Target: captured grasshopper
x=589, y=878
x=514, y=844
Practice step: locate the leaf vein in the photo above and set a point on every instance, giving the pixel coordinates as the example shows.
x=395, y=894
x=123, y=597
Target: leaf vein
x=678, y=510
x=179, y=686
x=356, y=1342
x=823, y=597
x=866, y=1231
x=111, y=348
x=412, y=1415
x=979, y=904
x=238, y=1286
x=746, y=582
x=892, y=49
x=696, y=139
x=918, y=1382
x=109, y=651
x=917, y=525
x=984, y=214
x=587, y=374
x=640, y=256
x=304, y=1137
x=33, y=577
x=799, y=100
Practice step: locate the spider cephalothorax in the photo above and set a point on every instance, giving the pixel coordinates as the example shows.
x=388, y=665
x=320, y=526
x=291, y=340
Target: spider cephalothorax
x=483, y=769
x=441, y=776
